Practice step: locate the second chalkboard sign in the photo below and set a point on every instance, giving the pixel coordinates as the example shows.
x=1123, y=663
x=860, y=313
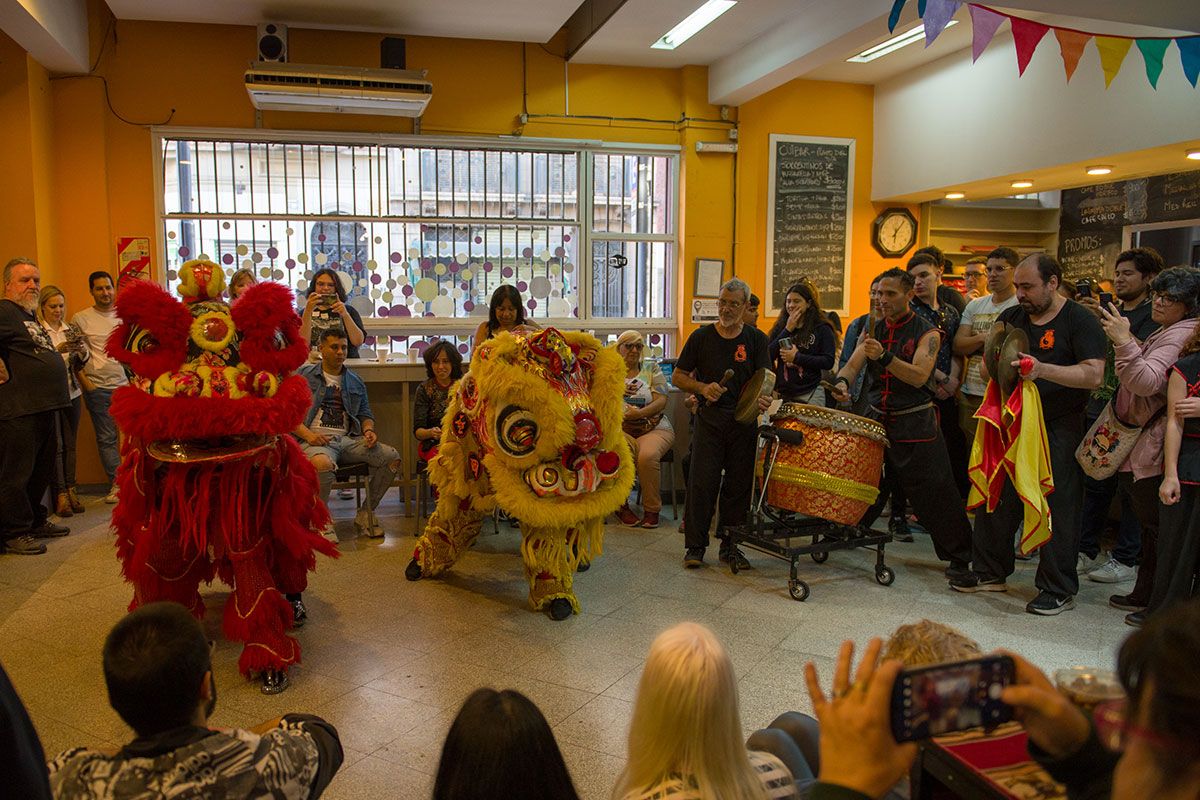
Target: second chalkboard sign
x=810, y=190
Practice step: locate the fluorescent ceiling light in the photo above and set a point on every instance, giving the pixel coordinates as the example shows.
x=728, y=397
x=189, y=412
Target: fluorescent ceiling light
x=1021, y=184
x=1194, y=155
x=1099, y=170
x=694, y=23
x=955, y=195
x=893, y=44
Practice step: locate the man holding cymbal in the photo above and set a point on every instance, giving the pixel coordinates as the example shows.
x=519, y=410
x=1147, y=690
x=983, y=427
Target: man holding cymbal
x=899, y=354
x=723, y=359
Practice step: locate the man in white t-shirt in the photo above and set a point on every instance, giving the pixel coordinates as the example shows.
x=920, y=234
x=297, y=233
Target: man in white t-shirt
x=977, y=319
x=101, y=375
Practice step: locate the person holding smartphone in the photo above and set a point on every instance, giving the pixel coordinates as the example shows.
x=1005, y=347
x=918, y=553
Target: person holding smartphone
x=801, y=344
x=325, y=308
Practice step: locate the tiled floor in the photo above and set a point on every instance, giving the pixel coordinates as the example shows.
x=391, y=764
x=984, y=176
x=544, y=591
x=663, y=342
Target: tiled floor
x=389, y=661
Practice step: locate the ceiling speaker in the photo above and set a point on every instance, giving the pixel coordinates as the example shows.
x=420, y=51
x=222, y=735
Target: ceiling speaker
x=272, y=42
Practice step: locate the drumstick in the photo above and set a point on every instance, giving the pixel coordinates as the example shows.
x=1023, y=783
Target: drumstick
x=724, y=380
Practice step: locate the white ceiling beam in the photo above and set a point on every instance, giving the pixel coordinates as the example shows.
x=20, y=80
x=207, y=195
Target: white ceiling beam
x=54, y=32
x=818, y=32
x=1183, y=15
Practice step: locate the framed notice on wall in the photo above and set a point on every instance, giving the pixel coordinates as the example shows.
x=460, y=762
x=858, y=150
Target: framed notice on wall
x=809, y=194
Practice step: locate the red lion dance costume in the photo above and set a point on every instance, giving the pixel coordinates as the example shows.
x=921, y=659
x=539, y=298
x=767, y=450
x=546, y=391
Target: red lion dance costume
x=210, y=484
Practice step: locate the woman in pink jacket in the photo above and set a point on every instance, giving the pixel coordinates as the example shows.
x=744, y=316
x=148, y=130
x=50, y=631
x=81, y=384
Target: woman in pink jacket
x=1143, y=369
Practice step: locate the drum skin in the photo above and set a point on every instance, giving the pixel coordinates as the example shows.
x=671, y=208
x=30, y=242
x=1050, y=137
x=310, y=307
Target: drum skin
x=835, y=473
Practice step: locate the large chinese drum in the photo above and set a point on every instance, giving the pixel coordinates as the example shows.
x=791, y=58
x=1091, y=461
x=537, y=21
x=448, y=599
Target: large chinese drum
x=835, y=473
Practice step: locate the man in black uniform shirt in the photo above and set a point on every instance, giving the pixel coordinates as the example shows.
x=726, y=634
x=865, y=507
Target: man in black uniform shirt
x=900, y=356
x=33, y=386
x=1068, y=350
x=719, y=442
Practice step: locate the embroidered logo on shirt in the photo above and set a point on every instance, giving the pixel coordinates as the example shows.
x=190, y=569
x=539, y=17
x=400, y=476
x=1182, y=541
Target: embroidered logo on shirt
x=908, y=348
x=1047, y=340
x=739, y=355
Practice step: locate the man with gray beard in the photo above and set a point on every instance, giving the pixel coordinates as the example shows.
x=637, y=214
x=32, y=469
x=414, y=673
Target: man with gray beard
x=33, y=386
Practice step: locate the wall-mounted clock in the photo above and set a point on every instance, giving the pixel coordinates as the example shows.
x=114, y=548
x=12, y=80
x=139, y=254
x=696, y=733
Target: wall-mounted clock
x=894, y=232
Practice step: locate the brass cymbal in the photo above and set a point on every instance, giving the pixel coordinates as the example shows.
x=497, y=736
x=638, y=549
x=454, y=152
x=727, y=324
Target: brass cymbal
x=1015, y=343
x=991, y=347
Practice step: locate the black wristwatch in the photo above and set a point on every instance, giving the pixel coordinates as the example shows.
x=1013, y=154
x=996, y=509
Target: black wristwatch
x=886, y=358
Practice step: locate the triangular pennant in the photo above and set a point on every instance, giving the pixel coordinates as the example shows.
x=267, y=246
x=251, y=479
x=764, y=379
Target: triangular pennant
x=937, y=14
x=984, y=23
x=1071, y=44
x=1152, y=54
x=1112, y=54
x=1026, y=35
x=1189, y=53
x=921, y=8
x=894, y=17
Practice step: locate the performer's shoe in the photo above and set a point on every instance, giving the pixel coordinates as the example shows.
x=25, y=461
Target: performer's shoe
x=299, y=614
x=584, y=566
x=559, y=609
x=649, y=521
x=1126, y=602
x=49, y=530
x=413, y=571
x=274, y=681
x=627, y=517
x=22, y=546
x=76, y=503
x=1047, y=604
x=111, y=497
x=898, y=528
x=693, y=557
x=62, y=505
x=1136, y=619
x=732, y=555
x=368, y=524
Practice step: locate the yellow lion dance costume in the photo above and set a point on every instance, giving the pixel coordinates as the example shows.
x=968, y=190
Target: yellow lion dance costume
x=534, y=428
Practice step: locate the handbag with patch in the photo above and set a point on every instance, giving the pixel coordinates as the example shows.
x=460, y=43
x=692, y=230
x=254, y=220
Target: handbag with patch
x=1108, y=443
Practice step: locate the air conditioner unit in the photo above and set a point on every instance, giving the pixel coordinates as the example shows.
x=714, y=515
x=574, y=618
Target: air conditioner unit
x=345, y=90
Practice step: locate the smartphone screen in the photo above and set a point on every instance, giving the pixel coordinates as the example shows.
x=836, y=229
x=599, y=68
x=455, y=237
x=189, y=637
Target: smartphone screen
x=1106, y=299
x=1083, y=289
x=930, y=701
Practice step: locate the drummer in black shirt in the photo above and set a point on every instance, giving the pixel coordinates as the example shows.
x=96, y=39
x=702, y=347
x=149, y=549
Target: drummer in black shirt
x=719, y=442
x=1068, y=347
x=900, y=357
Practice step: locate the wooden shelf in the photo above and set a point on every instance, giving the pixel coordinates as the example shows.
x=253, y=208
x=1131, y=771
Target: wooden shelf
x=978, y=227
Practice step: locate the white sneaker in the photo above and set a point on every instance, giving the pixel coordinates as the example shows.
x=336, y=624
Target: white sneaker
x=329, y=532
x=1085, y=565
x=111, y=497
x=1112, y=571
x=368, y=524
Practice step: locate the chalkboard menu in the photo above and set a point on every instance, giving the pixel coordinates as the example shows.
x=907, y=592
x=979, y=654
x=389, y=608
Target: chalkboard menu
x=808, y=217
x=1093, y=218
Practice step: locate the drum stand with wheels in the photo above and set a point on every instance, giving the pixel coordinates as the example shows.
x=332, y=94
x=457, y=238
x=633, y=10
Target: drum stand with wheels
x=788, y=536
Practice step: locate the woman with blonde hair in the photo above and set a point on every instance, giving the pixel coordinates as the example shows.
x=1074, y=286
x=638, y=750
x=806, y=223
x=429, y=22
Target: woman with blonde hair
x=71, y=344
x=685, y=737
x=240, y=281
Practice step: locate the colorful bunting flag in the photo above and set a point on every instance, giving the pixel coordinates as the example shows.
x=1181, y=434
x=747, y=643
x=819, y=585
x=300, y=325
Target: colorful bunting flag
x=1189, y=53
x=894, y=17
x=1112, y=53
x=984, y=23
x=1152, y=54
x=1071, y=44
x=937, y=14
x=1026, y=35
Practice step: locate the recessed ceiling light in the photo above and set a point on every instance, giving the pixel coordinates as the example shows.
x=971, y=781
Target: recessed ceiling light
x=893, y=44
x=1099, y=169
x=1194, y=155
x=955, y=195
x=1021, y=184
x=693, y=24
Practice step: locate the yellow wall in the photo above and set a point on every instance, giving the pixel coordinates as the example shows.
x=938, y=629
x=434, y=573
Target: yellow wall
x=101, y=166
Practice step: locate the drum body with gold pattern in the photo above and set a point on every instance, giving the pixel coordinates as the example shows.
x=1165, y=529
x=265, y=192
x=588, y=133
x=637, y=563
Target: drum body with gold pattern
x=835, y=473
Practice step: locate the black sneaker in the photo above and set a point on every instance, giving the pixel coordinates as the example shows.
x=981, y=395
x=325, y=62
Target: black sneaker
x=734, y=556
x=23, y=546
x=274, y=681
x=413, y=571
x=1048, y=605
x=49, y=530
x=898, y=528
x=299, y=614
x=977, y=584
x=1126, y=602
x=559, y=609
x=1136, y=619
x=693, y=557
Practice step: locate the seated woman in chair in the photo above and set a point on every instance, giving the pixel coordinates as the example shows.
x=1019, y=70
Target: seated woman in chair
x=646, y=427
x=443, y=365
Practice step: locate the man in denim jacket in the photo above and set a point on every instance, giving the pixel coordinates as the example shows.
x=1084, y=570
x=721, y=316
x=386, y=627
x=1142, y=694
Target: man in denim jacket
x=339, y=428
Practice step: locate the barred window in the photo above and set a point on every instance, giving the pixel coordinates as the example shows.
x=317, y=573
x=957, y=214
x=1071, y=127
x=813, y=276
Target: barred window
x=422, y=234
